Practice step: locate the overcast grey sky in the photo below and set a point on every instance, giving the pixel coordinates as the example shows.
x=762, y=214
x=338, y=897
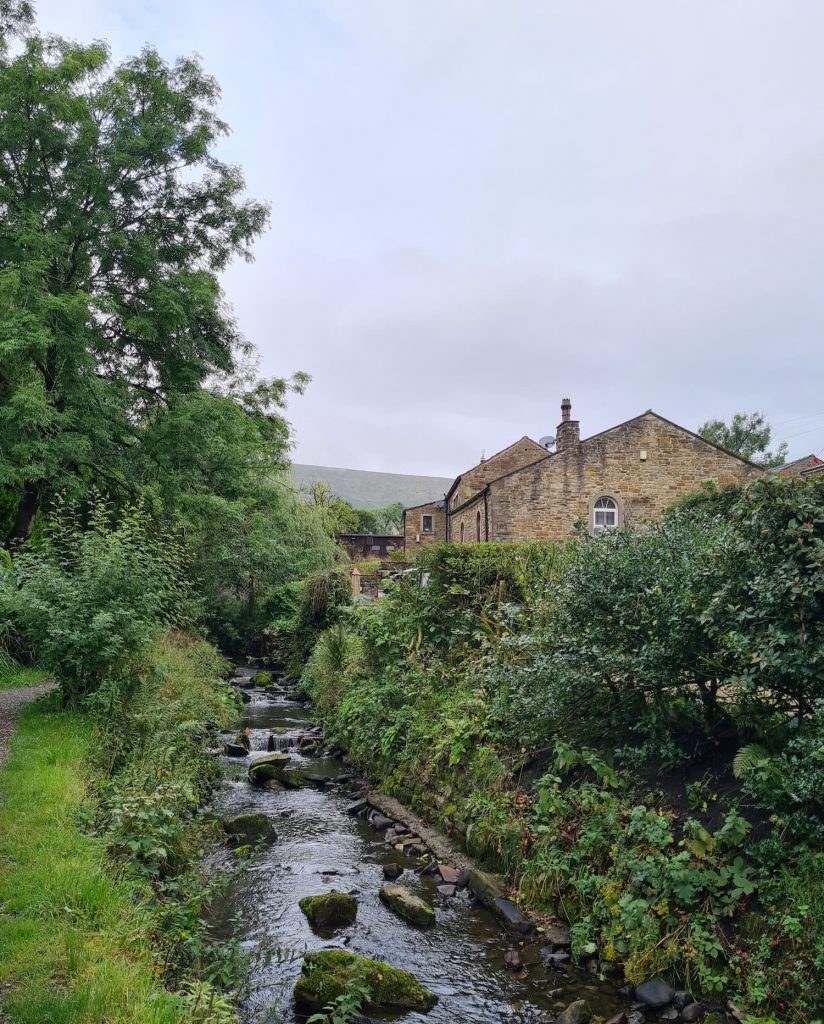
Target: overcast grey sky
x=481, y=207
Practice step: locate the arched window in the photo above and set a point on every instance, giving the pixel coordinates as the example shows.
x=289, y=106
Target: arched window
x=462, y=533
x=604, y=515
x=478, y=527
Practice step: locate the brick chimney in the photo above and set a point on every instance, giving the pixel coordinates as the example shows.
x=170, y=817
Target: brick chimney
x=568, y=433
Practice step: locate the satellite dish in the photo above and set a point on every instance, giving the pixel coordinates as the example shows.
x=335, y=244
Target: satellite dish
x=547, y=442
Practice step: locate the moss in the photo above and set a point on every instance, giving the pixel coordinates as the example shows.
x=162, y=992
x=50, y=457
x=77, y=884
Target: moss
x=329, y=910
x=327, y=974
x=262, y=678
x=249, y=828
x=408, y=906
x=242, y=852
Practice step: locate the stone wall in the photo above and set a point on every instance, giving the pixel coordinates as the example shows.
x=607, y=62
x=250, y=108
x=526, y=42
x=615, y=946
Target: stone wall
x=522, y=453
x=469, y=523
x=413, y=535
x=644, y=465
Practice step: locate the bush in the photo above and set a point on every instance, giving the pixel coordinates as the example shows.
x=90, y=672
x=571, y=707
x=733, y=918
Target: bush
x=89, y=598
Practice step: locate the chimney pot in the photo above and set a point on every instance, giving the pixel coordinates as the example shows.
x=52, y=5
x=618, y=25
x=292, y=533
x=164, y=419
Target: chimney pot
x=566, y=410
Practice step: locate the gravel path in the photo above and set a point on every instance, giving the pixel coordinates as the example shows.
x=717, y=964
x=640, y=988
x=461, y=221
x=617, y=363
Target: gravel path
x=11, y=703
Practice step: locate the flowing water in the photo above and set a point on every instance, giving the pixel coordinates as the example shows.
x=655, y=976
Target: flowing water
x=321, y=847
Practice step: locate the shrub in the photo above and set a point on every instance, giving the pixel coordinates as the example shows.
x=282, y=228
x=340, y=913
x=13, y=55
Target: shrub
x=91, y=597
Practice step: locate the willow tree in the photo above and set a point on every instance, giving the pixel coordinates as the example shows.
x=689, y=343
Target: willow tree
x=116, y=218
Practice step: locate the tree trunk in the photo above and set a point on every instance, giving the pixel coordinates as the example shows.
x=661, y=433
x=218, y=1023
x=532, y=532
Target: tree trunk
x=26, y=511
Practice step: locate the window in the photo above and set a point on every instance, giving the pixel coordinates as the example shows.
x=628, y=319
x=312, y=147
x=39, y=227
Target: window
x=462, y=533
x=478, y=527
x=426, y=524
x=604, y=515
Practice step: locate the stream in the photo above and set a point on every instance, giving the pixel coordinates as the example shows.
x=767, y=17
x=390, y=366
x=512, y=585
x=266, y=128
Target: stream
x=319, y=847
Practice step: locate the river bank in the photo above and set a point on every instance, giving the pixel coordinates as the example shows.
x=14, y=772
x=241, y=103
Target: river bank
x=327, y=839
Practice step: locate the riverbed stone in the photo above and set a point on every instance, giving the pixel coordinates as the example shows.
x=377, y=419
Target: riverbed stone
x=692, y=1012
x=682, y=998
x=449, y=875
x=578, y=1012
x=249, y=828
x=655, y=993
x=380, y=821
x=329, y=910
x=261, y=678
x=357, y=806
x=235, y=750
x=447, y=890
x=511, y=916
x=327, y=974
x=486, y=887
x=407, y=905
x=392, y=871
x=557, y=935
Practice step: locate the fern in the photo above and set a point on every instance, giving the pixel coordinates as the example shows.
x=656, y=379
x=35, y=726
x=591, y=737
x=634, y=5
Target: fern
x=752, y=756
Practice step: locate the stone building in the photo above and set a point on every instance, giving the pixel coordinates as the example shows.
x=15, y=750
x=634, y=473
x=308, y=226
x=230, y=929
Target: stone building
x=629, y=473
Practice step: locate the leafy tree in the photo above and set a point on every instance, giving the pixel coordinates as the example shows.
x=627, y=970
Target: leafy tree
x=339, y=515
x=747, y=435
x=117, y=218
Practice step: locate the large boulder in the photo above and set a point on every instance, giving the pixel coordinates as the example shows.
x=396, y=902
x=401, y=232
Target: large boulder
x=329, y=973
x=407, y=905
x=578, y=1012
x=269, y=766
x=261, y=678
x=654, y=993
x=329, y=910
x=249, y=828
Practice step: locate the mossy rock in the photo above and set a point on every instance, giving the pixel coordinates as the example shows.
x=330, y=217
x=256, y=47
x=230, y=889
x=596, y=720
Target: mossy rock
x=407, y=905
x=249, y=828
x=242, y=852
x=329, y=910
x=327, y=974
x=261, y=678
x=268, y=767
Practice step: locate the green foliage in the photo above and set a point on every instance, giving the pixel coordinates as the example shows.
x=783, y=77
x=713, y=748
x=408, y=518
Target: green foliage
x=90, y=597
x=118, y=218
x=541, y=691
x=305, y=612
x=747, y=435
x=122, y=366
x=79, y=941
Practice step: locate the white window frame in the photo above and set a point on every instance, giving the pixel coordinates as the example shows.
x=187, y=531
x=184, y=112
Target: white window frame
x=602, y=507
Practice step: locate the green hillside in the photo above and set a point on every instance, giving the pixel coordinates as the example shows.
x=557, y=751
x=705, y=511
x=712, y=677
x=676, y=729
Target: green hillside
x=365, y=489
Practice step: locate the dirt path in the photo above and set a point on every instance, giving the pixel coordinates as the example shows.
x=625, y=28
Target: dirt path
x=11, y=703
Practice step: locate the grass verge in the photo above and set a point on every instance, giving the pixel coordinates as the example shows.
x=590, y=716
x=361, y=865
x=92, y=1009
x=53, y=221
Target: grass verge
x=100, y=890
x=72, y=939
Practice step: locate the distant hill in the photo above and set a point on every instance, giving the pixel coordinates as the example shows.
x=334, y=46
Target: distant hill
x=365, y=489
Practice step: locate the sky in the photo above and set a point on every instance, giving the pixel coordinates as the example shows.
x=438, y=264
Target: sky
x=480, y=207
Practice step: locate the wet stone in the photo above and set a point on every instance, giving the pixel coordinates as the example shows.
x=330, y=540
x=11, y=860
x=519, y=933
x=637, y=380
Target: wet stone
x=511, y=916
x=380, y=821
x=329, y=910
x=235, y=750
x=392, y=871
x=447, y=890
x=692, y=1012
x=407, y=905
x=655, y=993
x=449, y=874
x=578, y=1012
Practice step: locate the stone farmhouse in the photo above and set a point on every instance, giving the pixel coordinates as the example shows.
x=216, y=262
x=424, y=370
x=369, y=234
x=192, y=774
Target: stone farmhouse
x=631, y=472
